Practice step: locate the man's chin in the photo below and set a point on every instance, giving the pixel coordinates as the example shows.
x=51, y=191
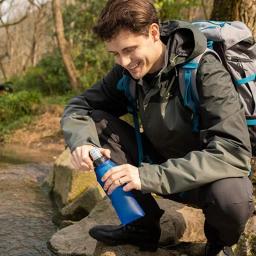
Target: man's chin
x=137, y=75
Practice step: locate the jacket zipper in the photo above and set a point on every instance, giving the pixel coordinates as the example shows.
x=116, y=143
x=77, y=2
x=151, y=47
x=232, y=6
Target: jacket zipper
x=237, y=59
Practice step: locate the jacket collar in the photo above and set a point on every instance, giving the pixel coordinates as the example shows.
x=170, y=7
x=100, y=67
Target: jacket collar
x=184, y=42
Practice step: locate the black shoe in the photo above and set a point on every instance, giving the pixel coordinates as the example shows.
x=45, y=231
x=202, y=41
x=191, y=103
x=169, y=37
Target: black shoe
x=212, y=249
x=146, y=238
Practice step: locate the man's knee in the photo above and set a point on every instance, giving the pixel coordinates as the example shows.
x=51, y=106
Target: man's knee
x=233, y=196
x=229, y=207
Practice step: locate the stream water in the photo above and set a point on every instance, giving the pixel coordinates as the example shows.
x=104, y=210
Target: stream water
x=25, y=209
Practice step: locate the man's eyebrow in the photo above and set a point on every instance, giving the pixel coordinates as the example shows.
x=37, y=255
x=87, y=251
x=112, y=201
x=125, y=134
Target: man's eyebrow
x=129, y=47
x=124, y=49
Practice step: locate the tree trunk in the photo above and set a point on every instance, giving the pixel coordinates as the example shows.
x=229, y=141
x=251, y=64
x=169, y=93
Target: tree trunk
x=64, y=47
x=246, y=11
x=242, y=10
x=3, y=71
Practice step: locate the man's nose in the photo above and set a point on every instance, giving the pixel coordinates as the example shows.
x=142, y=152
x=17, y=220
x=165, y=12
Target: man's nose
x=123, y=61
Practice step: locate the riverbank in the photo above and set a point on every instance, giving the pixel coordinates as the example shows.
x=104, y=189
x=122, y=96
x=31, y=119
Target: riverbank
x=26, y=158
x=39, y=141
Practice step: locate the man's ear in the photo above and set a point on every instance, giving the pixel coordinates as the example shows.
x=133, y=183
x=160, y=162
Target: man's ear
x=154, y=31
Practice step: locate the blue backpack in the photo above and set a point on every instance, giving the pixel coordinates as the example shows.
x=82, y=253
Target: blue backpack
x=233, y=44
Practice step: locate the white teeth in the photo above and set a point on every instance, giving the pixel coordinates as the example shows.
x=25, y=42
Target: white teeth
x=134, y=66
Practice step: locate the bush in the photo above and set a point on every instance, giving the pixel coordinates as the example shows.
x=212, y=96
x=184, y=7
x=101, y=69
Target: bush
x=48, y=77
x=173, y=9
x=17, y=106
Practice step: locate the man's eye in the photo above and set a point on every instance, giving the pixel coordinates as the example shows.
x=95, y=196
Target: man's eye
x=129, y=50
x=115, y=54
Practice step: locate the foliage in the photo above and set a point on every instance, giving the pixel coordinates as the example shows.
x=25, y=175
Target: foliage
x=90, y=56
x=61, y=100
x=88, y=52
x=91, y=59
x=174, y=9
x=15, y=107
x=48, y=77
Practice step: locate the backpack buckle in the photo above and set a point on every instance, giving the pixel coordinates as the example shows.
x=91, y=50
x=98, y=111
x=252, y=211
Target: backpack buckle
x=251, y=120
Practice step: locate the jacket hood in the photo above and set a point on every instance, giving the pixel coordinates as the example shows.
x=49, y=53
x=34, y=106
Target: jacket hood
x=184, y=41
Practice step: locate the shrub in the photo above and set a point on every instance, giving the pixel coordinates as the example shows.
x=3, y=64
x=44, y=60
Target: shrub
x=16, y=106
x=48, y=77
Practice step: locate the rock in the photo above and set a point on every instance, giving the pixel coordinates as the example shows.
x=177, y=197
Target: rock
x=181, y=222
x=176, y=224
x=48, y=182
x=78, y=192
x=246, y=245
x=68, y=182
x=75, y=192
x=75, y=240
x=82, y=205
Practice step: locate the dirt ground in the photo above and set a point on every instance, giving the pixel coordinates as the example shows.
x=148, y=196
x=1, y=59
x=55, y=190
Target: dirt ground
x=42, y=135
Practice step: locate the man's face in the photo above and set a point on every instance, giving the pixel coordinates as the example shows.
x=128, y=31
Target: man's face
x=139, y=54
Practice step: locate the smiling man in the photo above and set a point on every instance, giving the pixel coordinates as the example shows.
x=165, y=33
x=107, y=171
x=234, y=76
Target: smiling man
x=136, y=53
x=198, y=168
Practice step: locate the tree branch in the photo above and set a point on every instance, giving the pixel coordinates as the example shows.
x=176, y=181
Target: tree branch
x=3, y=24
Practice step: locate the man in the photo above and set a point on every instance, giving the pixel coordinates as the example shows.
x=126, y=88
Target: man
x=208, y=168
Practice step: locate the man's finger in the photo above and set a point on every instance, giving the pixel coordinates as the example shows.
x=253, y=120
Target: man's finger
x=112, y=188
x=87, y=160
x=106, y=152
x=130, y=186
x=111, y=171
x=73, y=162
x=117, y=179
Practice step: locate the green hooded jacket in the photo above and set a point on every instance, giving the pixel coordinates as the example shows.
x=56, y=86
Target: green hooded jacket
x=221, y=148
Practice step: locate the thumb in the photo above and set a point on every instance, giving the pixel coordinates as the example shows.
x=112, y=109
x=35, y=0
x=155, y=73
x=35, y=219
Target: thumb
x=106, y=152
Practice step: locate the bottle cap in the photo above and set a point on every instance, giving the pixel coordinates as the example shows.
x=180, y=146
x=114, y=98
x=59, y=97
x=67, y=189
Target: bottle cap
x=95, y=153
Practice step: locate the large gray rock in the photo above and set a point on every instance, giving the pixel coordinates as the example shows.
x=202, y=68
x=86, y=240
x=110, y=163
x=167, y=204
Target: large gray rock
x=179, y=222
x=69, y=183
x=75, y=192
x=82, y=205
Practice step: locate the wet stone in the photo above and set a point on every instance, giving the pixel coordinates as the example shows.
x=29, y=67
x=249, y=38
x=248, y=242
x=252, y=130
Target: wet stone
x=25, y=212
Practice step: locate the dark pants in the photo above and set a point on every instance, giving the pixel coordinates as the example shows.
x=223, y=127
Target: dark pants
x=227, y=204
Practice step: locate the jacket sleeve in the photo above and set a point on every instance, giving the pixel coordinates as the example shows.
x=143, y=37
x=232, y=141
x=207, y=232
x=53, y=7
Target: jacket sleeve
x=77, y=125
x=224, y=138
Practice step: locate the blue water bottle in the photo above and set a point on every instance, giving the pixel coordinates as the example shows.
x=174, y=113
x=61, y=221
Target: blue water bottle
x=124, y=203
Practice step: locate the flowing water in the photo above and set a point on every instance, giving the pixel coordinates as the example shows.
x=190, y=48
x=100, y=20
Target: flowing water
x=25, y=209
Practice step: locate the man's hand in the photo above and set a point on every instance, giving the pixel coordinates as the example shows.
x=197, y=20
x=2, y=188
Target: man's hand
x=81, y=159
x=126, y=174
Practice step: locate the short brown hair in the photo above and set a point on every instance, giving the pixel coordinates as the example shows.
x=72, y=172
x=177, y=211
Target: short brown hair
x=134, y=15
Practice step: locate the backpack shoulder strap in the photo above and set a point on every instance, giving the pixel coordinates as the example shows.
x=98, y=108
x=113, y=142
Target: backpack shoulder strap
x=187, y=85
x=128, y=86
